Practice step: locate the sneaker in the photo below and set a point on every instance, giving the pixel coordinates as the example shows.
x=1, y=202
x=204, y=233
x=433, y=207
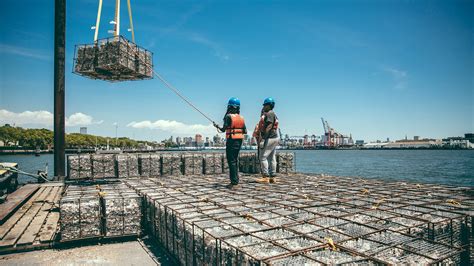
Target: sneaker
x=272, y=178
x=263, y=180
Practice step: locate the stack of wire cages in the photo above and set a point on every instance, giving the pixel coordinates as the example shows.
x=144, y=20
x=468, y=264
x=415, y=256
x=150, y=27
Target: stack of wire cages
x=249, y=163
x=100, y=210
x=79, y=166
x=213, y=163
x=311, y=219
x=131, y=165
x=122, y=210
x=80, y=216
x=126, y=165
x=113, y=59
x=192, y=164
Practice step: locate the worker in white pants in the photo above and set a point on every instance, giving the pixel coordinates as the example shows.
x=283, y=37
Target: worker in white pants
x=268, y=158
x=268, y=141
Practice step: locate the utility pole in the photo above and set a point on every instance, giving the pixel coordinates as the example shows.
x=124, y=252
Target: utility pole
x=59, y=88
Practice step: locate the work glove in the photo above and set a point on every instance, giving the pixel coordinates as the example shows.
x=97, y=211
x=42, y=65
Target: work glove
x=216, y=125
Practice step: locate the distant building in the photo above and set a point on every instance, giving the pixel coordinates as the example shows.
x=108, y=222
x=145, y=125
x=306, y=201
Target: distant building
x=83, y=130
x=459, y=142
x=188, y=141
x=414, y=144
x=359, y=142
x=469, y=137
x=416, y=138
x=198, y=138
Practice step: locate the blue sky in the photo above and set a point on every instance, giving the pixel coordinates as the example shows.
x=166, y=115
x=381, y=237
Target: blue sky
x=375, y=69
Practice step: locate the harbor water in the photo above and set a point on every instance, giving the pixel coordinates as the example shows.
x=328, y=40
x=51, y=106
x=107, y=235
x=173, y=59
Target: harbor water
x=448, y=167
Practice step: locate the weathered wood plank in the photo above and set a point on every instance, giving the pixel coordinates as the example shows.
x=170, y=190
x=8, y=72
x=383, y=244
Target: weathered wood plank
x=16, y=232
x=15, y=200
x=5, y=228
x=48, y=231
x=34, y=227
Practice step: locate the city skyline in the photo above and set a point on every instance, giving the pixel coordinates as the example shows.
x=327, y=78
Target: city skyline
x=383, y=71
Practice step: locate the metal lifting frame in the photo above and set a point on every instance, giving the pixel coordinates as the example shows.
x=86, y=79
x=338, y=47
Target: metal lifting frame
x=117, y=20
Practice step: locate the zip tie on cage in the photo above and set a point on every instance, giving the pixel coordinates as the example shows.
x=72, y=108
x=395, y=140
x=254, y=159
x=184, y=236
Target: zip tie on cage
x=453, y=202
x=330, y=243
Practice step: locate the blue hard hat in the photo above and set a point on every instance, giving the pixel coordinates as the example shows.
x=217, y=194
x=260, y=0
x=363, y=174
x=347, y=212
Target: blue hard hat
x=269, y=100
x=234, y=102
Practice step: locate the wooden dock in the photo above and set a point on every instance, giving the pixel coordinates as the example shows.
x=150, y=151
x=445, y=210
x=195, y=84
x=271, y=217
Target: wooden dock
x=31, y=217
x=8, y=180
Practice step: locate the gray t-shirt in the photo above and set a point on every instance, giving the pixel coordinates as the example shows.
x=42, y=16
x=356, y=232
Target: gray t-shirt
x=270, y=118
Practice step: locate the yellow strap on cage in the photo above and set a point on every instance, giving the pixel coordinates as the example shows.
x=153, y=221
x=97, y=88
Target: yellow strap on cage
x=247, y=216
x=377, y=204
x=365, y=191
x=117, y=18
x=330, y=243
x=97, y=23
x=131, y=20
x=454, y=202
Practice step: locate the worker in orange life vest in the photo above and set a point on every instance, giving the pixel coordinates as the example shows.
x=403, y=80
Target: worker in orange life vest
x=235, y=130
x=267, y=142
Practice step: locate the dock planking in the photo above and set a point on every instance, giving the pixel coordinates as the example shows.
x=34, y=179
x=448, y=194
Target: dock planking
x=15, y=200
x=34, y=224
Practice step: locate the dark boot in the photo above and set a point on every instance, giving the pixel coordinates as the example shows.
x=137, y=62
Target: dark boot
x=232, y=186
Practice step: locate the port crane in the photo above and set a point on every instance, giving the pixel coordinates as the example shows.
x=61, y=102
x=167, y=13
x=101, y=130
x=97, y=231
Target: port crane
x=334, y=138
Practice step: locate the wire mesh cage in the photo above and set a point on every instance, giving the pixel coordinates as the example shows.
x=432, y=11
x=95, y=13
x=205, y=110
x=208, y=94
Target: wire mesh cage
x=96, y=210
x=79, y=166
x=113, y=59
x=127, y=165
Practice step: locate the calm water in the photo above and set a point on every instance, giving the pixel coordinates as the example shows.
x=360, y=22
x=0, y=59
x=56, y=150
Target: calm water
x=451, y=167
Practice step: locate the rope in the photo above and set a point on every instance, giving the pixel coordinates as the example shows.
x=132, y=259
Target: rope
x=177, y=92
x=16, y=170
x=171, y=87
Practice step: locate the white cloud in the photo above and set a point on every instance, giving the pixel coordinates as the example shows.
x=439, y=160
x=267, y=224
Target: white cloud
x=44, y=118
x=26, y=117
x=174, y=127
x=21, y=51
x=217, y=49
x=80, y=119
x=398, y=75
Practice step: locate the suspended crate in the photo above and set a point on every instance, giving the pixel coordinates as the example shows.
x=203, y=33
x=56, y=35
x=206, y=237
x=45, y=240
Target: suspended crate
x=115, y=58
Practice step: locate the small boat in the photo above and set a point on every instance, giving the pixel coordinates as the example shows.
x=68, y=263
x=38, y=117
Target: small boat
x=37, y=152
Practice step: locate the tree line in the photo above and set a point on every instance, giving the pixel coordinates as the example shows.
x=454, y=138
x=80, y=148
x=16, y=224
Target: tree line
x=30, y=138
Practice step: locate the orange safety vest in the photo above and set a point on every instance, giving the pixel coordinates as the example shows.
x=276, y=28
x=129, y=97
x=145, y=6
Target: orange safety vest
x=261, y=124
x=236, y=129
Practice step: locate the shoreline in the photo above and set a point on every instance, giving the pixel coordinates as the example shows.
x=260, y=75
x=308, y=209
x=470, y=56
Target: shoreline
x=78, y=151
